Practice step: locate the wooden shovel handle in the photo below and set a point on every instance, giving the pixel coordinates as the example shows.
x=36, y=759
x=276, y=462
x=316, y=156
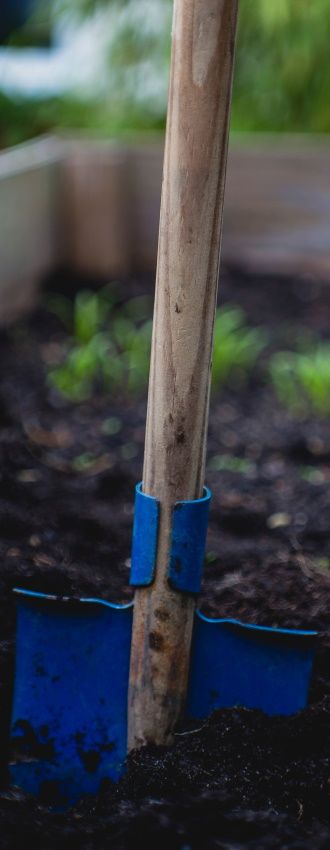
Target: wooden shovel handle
x=203, y=42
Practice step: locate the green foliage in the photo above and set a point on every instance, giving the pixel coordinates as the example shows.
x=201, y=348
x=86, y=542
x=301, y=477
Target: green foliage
x=281, y=81
x=282, y=73
x=108, y=349
x=302, y=380
x=84, y=462
x=83, y=8
x=312, y=474
x=111, y=426
x=236, y=347
x=109, y=346
x=231, y=463
x=88, y=315
x=24, y=118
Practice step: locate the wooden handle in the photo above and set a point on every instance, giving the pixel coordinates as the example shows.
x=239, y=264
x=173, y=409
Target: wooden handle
x=203, y=42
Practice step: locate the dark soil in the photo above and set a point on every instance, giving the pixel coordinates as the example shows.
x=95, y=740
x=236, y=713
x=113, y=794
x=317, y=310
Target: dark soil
x=243, y=780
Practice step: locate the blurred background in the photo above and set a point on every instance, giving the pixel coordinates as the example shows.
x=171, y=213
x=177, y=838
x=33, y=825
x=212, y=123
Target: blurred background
x=90, y=78
x=83, y=92
x=102, y=66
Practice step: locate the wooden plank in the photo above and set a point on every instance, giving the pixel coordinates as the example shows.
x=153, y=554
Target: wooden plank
x=145, y=178
x=277, y=207
x=94, y=206
x=30, y=221
x=96, y=209
x=277, y=204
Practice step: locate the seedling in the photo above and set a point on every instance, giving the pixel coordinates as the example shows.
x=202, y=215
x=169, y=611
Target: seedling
x=236, y=347
x=109, y=346
x=230, y=463
x=111, y=426
x=302, y=380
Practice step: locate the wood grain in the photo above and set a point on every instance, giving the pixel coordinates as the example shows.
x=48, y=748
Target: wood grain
x=203, y=42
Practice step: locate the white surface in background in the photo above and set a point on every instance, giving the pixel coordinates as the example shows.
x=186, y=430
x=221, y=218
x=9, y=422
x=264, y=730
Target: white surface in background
x=80, y=60
x=75, y=61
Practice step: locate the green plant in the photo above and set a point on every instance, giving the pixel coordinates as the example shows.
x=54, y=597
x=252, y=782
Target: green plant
x=302, y=380
x=282, y=75
x=107, y=348
x=109, y=345
x=312, y=474
x=230, y=463
x=236, y=347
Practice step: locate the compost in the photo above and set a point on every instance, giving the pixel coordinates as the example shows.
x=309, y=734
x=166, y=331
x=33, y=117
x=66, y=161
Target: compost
x=240, y=780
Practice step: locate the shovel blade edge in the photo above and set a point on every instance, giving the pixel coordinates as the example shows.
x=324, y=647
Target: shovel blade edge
x=236, y=664
x=69, y=720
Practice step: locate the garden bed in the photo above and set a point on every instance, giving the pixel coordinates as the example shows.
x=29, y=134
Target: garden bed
x=66, y=495
x=94, y=206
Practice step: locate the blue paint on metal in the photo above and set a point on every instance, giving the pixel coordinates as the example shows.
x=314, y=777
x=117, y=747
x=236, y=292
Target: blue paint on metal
x=69, y=724
x=189, y=529
x=246, y=665
x=145, y=534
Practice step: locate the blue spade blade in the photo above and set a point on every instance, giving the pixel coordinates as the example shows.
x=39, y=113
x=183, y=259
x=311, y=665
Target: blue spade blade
x=245, y=665
x=69, y=725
